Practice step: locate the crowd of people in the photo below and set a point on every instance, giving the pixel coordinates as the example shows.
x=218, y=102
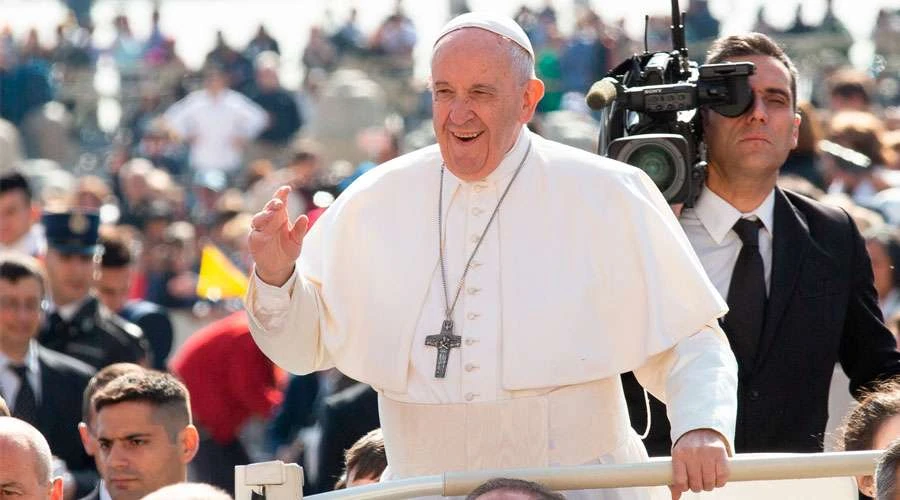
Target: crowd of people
x=117, y=220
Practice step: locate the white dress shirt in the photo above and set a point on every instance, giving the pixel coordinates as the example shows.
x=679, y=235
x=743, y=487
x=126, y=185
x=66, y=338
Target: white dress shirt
x=10, y=382
x=212, y=124
x=708, y=226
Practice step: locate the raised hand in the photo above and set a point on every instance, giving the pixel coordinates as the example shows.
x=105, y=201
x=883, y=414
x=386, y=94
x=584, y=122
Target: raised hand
x=274, y=241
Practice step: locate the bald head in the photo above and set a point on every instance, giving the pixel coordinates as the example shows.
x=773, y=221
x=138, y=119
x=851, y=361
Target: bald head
x=188, y=491
x=26, y=465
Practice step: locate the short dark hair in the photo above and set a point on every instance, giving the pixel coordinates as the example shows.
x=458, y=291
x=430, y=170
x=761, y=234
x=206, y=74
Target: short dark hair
x=15, y=181
x=116, y=252
x=861, y=424
x=751, y=44
x=536, y=491
x=886, y=472
x=366, y=456
x=100, y=380
x=851, y=83
x=15, y=266
x=166, y=394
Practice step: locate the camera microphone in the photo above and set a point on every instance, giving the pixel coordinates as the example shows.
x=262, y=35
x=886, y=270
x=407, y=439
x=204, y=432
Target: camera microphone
x=602, y=93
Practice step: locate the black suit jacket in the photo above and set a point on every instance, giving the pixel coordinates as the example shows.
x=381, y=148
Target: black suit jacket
x=155, y=324
x=345, y=417
x=63, y=380
x=822, y=309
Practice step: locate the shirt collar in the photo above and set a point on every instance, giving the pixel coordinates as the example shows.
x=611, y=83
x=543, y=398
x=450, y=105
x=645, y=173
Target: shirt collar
x=718, y=216
x=31, y=359
x=68, y=311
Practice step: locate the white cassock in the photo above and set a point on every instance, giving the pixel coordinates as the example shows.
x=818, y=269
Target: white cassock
x=584, y=274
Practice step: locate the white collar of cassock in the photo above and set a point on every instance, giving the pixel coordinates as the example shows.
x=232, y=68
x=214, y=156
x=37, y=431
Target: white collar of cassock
x=502, y=173
x=718, y=216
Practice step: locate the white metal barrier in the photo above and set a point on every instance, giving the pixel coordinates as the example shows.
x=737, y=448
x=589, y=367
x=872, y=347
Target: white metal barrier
x=281, y=481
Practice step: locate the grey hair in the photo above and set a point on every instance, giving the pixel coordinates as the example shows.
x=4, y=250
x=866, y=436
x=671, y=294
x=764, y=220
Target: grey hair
x=23, y=434
x=886, y=472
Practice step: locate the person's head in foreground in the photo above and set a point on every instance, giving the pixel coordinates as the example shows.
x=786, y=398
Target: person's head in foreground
x=188, y=491
x=26, y=463
x=873, y=425
x=365, y=460
x=886, y=473
x=144, y=434
x=513, y=489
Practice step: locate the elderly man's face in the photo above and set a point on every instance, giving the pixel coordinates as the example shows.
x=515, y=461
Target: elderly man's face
x=18, y=473
x=479, y=102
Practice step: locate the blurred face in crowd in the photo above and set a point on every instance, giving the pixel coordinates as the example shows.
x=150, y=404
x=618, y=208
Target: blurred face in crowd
x=20, y=478
x=112, y=285
x=16, y=216
x=755, y=144
x=69, y=276
x=20, y=313
x=479, y=100
x=881, y=268
x=137, y=453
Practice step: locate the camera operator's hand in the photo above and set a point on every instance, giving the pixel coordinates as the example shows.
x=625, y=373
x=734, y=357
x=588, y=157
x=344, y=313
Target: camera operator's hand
x=677, y=208
x=699, y=462
x=274, y=241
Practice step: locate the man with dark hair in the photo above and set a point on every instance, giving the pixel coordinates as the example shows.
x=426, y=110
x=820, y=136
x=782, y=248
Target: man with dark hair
x=42, y=386
x=86, y=427
x=503, y=488
x=886, y=473
x=795, y=272
x=25, y=463
x=144, y=433
x=18, y=215
x=78, y=324
x=365, y=460
x=112, y=282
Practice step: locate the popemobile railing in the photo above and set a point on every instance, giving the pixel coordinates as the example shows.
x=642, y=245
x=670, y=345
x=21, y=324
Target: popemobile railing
x=819, y=476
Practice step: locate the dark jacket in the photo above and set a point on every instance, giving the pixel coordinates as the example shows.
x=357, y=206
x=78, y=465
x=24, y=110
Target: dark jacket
x=96, y=336
x=822, y=310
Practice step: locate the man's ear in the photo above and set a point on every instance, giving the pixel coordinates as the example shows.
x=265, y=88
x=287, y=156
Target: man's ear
x=56, y=489
x=534, y=92
x=866, y=485
x=87, y=440
x=190, y=443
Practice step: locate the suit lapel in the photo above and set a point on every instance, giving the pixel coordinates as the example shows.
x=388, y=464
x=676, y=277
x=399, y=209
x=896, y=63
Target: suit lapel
x=790, y=245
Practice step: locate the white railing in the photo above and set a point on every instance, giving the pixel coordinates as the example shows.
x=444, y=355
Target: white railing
x=746, y=467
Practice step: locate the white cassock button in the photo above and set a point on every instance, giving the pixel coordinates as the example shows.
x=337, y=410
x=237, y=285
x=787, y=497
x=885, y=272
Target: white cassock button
x=475, y=238
x=471, y=341
x=477, y=211
x=473, y=315
x=470, y=367
x=470, y=396
x=475, y=264
x=479, y=187
x=473, y=290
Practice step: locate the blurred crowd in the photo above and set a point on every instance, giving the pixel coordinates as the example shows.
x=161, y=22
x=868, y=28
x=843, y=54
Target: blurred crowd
x=196, y=151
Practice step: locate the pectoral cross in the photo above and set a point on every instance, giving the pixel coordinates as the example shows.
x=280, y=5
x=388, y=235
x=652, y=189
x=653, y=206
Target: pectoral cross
x=443, y=342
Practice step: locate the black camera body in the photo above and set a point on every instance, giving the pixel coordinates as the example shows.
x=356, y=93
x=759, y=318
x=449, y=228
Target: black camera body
x=650, y=120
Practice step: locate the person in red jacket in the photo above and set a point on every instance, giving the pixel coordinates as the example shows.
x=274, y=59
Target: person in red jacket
x=230, y=381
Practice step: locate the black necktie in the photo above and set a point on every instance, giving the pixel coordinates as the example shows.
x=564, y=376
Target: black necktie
x=746, y=295
x=26, y=404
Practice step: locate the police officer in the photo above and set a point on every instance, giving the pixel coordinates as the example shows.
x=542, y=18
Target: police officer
x=76, y=323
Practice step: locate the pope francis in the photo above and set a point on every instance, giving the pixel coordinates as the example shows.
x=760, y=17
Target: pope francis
x=492, y=288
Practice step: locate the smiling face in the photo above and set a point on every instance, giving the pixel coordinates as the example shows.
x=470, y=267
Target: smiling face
x=137, y=453
x=755, y=144
x=481, y=99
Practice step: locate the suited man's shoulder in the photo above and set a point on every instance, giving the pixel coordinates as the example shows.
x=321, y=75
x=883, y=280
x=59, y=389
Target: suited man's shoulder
x=137, y=309
x=818, y=211
x=64, y=364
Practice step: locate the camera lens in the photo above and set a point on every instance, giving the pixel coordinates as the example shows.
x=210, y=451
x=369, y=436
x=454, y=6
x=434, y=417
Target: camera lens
x=656, y=162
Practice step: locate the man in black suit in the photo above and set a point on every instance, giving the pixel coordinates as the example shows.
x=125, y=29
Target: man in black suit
x=112, y=282
x=43, y=387
x=77, y=324
x=795, y=272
